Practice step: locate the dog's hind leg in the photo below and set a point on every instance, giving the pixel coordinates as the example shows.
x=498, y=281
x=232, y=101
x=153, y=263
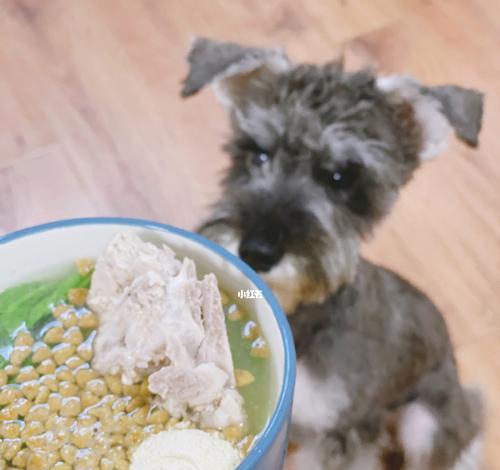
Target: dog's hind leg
x=437, y=430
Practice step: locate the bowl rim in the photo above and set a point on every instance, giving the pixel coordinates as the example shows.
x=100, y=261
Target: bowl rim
x=283, y=406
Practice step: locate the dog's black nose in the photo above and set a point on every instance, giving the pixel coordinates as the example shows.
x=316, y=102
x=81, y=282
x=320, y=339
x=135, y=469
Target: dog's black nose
x=260, y=253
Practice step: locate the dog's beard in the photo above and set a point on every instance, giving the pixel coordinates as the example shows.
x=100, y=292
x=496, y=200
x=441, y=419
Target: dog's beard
x=298, y=279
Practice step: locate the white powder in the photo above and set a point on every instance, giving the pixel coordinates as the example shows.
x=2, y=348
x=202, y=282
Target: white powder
x=185, y=449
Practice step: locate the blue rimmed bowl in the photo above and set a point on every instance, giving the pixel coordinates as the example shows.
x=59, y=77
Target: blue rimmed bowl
x=33, y=253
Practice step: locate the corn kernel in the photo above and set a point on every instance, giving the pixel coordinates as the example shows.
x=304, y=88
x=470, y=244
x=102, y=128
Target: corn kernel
x=139, y=415
x=21, y=458
x=74, y=361
x=82, y=437
x=24, y=338
x=120, y=404
x=61, y=310
x=38, y=413
x=11, y=370
x=43, y=395
x=259, y=349
x=39, y=441
x=30, y=389
x=136, y=402
x=8, y=414
x=85, y=351
x=8, y=394
x=54, y=335
x=70, y=406
x=69, y=318
x=68, y=389
x=53, y=457
x=78, y=296
x=108, y=400
x=134, y=436
x=88, y=399
x=234, y=313
x=19, y=354
x=32, y=428
x=73, y=336
x=86, y=419
x=233, y=433
x=68, y=453
x=114, y=384
x=131, y=390
x=10, y=448
x=50, y=381
x=159, y=416
x=59, y=423
x=121, y=422
x=47, y=366
x=38, y=460
x=85, y=266
x=243, y=377
x=26, y=373
x=3, y=377
x=62, y=352
x=251, y=331
x=21, y=406
x=88, y=320
x=11, y=429
x=97, y=387
x=40, y=352
x=54, y=401
x=64, y=373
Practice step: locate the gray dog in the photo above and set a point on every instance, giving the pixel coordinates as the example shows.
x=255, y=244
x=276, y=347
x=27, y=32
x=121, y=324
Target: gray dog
x=318, y=157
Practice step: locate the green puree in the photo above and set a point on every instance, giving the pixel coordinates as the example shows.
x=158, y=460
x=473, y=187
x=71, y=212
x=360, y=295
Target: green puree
x=28, y=306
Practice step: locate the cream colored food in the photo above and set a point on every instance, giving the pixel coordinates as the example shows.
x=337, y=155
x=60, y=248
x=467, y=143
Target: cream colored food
x=186, y=449
x=158, y=320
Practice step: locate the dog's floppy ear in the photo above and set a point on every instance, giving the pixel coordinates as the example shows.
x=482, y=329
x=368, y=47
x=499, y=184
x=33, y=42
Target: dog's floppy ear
x=464, y=109
x=438, y=110
x=236, y=70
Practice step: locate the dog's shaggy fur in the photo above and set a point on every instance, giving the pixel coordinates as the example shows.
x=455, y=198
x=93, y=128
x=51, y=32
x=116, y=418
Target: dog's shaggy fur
x=318, y=158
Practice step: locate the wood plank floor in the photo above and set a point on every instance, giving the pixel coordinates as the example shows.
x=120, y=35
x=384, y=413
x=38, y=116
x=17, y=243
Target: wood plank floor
x=91, y=123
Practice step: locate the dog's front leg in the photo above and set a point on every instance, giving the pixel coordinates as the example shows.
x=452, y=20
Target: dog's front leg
x=326, y=434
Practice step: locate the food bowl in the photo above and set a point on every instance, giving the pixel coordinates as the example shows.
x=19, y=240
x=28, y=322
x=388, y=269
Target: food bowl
x=40, y=251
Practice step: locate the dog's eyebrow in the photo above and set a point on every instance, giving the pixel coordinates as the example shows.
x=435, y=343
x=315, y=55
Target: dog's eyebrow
x=246, y=143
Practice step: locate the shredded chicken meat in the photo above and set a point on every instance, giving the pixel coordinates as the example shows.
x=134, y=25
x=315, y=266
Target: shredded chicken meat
x=158, y=319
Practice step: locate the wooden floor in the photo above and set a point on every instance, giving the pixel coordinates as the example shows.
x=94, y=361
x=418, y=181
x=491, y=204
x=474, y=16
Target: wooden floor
x=91, y=123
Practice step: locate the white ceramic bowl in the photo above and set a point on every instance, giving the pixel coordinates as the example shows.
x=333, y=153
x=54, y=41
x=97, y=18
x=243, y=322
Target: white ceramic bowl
x=41, y=251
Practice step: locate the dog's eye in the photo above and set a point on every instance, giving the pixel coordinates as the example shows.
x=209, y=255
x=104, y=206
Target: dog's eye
x=259, y=158
x=346, y=177
x=342, y=178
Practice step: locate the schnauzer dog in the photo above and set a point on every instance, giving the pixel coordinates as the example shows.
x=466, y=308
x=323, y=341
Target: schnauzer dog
x=318, y=157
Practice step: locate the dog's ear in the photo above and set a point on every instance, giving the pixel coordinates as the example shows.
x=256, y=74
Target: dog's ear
x=464, y=109
x=438, y=110
x=237, y=71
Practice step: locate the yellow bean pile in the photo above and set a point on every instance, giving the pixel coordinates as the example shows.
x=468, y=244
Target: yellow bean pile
x=58, y=413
